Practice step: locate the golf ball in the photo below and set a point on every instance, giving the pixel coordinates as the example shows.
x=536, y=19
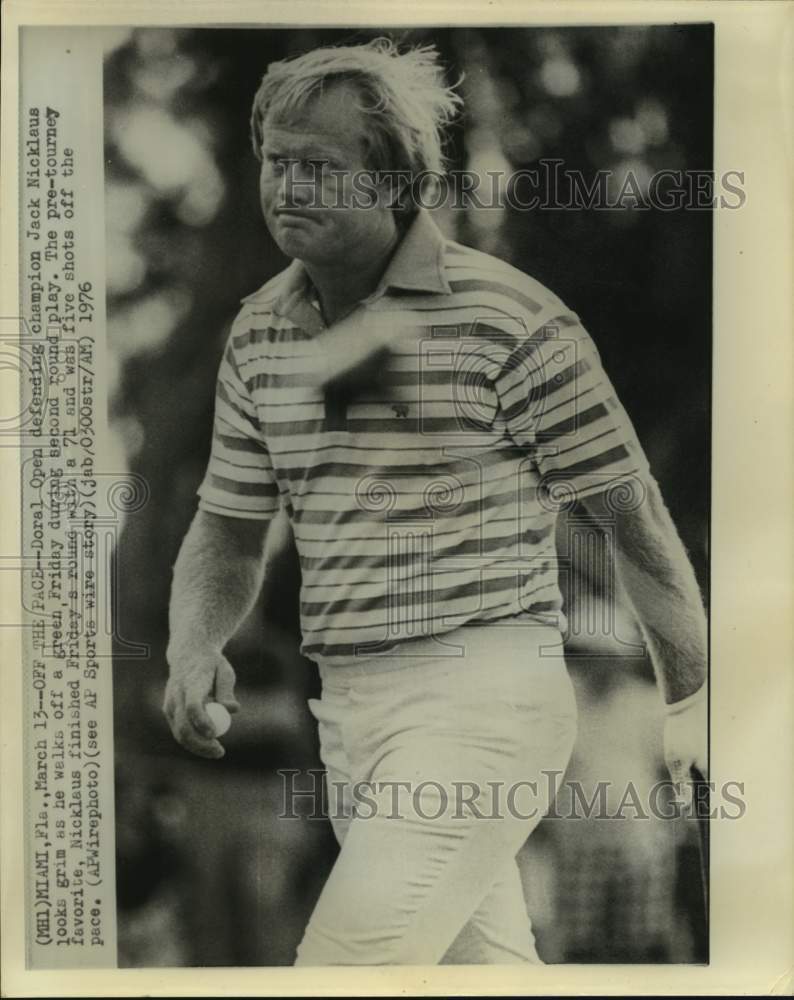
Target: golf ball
x=219, y=716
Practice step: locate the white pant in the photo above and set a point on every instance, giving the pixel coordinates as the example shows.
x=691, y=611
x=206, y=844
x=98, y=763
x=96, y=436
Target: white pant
x=427, y=870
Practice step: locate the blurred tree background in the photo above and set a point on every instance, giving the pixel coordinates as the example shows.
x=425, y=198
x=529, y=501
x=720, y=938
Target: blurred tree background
x=207, y=875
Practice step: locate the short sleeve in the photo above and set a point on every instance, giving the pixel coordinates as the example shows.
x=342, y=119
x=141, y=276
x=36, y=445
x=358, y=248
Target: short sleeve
x=559, y=404
x=239, y=481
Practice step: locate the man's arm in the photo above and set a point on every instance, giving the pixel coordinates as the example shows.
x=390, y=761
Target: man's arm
x=559, y=403
x=217, y=577
x=656, y=575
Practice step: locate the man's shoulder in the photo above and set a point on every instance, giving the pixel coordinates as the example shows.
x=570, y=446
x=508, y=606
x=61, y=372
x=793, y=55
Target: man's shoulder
x=266, y=295
x=256, y=315
x=511, y=306
x=470, y=271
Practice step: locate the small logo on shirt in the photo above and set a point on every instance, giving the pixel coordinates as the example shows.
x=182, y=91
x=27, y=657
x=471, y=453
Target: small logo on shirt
x=400, y=410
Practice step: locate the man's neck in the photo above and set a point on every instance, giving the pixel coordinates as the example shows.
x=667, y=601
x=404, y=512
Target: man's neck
x=341, y=285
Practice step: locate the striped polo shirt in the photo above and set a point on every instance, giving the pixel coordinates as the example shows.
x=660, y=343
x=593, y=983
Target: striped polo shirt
x=421, y=446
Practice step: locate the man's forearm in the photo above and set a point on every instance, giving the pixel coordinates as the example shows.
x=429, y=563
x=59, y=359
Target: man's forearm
x=657, y=579
x=217, y=576
x=673, y=622
x=656, y=574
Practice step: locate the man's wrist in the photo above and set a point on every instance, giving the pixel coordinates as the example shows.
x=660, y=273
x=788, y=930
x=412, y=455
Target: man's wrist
x=676, y=707
x=183, y=651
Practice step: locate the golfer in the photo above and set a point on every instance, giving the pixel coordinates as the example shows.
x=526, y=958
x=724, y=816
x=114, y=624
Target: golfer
x=421, y=412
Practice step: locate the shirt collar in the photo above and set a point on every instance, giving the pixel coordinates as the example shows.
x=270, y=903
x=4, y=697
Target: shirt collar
x=418, y=261
x=417, y=265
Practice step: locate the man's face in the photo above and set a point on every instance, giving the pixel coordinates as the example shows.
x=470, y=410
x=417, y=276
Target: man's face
x=309, y=209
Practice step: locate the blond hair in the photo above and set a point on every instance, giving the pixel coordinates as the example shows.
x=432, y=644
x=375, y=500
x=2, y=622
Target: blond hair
x=403, y=92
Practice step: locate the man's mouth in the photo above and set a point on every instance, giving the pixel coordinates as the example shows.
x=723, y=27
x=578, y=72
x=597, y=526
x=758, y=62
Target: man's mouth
x=295, y=214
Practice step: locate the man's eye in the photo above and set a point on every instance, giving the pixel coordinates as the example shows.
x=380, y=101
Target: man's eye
x=277, y=164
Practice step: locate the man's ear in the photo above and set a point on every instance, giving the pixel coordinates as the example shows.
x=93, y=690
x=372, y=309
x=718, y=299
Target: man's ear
x=393, y=189
x=403, y=197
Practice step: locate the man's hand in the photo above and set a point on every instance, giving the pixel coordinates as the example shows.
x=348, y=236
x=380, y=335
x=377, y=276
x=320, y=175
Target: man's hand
x=195, y=679
x=686, y=741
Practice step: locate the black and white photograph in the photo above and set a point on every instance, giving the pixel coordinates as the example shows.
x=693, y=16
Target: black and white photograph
x=413, y=335
x=399, y=568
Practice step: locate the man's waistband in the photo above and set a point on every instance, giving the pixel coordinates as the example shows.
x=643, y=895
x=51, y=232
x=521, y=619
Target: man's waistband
x=513, y=637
